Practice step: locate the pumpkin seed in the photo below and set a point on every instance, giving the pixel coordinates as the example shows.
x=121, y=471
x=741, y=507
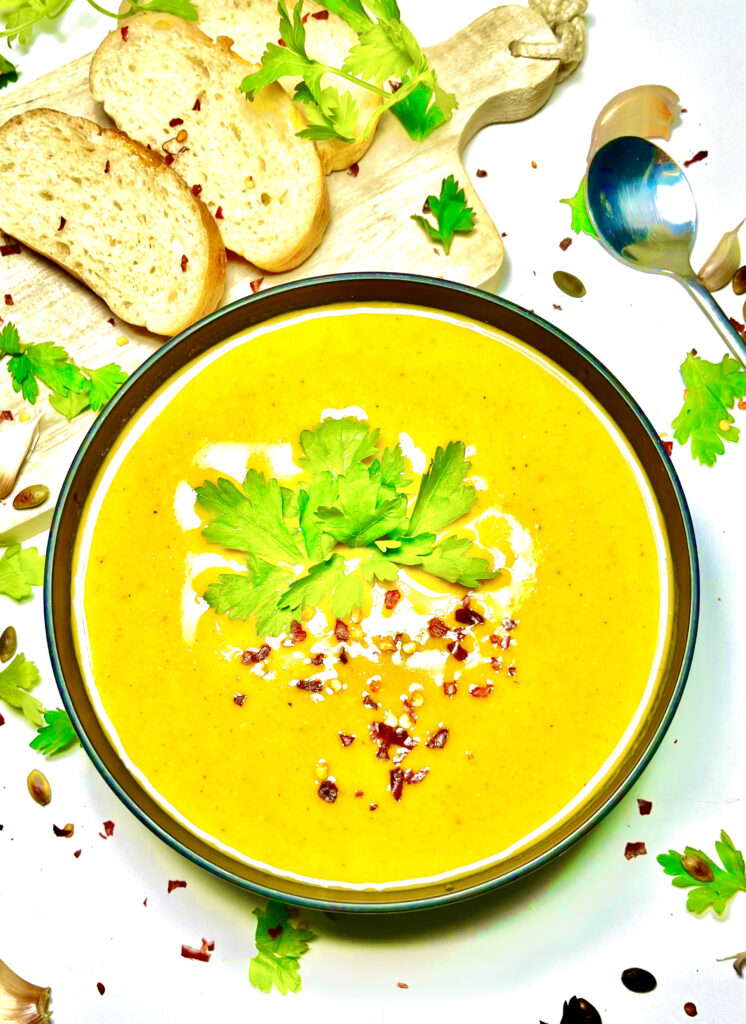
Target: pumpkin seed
x=636, y=979
x=8, y=644
x=39, y=787
x=697, y=868
x=739, y=281
x=569, y=284
x=31, y=497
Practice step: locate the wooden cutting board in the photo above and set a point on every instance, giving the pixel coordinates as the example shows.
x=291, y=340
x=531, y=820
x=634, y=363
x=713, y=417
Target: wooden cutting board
x=370, y=228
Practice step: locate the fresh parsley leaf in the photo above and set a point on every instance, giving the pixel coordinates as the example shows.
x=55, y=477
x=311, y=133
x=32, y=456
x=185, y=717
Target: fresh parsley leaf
x=20, y=570
x=391, y=470
x=322, y=491
x=451, y=213
x=385, y=51
x=104, y=382
x=51, y=364
x=71, y=404
x=351, y=11
x=8, y=72
x=424, y=109
x=280, y=943
x=581, y=221
x=15, y=682
x=705, y=418
x=330, y=114
x=725, y=882
x=57, y=735
x=359, y=518
x=256, y=592
x=311, y=588
x=443, y=496
x=449, y=561
x=411, y=550
x=250, y=519
x=336, y=445
x=348, y=594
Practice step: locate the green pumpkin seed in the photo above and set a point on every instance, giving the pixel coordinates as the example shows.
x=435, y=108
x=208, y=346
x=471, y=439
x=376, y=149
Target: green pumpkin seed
x=8, y=644
x=39, y=788
x=31, y=497
x=697, y=868
x=569, y=284
x=739, y=281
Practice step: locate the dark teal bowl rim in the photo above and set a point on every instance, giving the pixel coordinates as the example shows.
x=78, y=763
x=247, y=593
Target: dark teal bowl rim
x=301, y=296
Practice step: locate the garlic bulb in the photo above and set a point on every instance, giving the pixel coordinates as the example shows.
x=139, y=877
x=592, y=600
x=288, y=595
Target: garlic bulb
x=722, y=263
x=17, y=440
x=646, y=111
x=20, y=1001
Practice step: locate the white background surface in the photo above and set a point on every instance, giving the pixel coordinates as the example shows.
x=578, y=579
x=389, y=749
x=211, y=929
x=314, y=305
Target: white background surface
x=514, y=956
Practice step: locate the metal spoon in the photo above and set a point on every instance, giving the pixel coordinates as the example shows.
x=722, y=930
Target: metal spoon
x=642, y=207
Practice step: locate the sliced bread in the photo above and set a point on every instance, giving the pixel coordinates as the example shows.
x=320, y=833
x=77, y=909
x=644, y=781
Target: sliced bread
x=251, y=24
x=113, y=215
x=171, y=87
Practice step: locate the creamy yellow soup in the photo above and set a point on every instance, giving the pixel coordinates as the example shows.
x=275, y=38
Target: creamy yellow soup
x=507, y=720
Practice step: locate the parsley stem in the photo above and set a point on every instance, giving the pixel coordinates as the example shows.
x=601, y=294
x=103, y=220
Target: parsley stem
x=51, y=14
x=109, y=14
x=351, y=78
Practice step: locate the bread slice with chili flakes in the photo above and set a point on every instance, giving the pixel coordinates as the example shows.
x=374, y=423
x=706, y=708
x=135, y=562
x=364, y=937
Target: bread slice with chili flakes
x=171, y=87
x=113, y=215
x=328, y=40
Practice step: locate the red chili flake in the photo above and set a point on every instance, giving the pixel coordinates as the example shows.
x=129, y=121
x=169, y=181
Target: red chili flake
x=734, y=323
x=11, y=249
x=353, y=170
x=328, y=791
x=459, y=653
x=632, y=850
x=426, y=206
x=112, y=321
x=382, y=754
x=62, y=223
x=219, y=213
x=107, y=167
x=6, y=414
x=512, y=671
x=77, y=853
x=276, y=932
x=481, y=691
x=65, y=832
x=197, y=105
x=392, y=735
x=305, y=18
x=741, y=405
x=125, y=32
x=297, y=632
x=252, y=657
x=256, y=284
x=392, y=598
x=702, y=154
x=374, y=807
x=239, y=698
x=346, y=739
x=403, y=984
x=184, y=261
x=438, y=740
x=343, y=656
x=556, y=305
x=203, y=953
x=481, y=173
x=644, y=806
x=437, y=628
x=196, y=190
x=397, y=782
x=341, y=631
x=565, y=244
x=175, y=121
x=108, y=829
x=281, y=42
x=412, y=778
x=503, y=642
x=689, y=1008
x=683, y=111
x=310, y=685
x=450, y=688
x=394, y=86
x=509, y=625
x=369, y=702
x=168, y=159
x=359, y=793
x=496, y=664
x=101, y=987
x=176, y=883
x=468, y=617
x=8, y=299
x=320, y=15
x=317, y=659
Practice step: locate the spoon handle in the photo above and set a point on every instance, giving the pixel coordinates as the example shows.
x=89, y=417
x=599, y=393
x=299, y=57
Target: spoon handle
x=717, y=317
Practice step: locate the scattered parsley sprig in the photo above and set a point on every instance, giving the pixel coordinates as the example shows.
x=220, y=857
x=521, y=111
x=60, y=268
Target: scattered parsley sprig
x=280, y=943
x=386, y=49
x=711, y=886
x=705, y=418
x=581, y=221
x=451, y=213
x=355, y=495
x=20, y=570
x=74, y=388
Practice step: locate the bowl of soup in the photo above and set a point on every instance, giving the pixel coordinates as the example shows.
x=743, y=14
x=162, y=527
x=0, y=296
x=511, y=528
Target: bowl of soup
x=371, y=592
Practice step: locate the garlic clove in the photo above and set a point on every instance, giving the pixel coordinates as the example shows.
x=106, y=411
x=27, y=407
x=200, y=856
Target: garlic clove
x=722, y=263
x=20, y=1001
x=17, y=440
x=646, y=111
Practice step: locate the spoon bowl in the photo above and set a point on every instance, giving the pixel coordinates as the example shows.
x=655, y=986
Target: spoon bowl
x=642, y=207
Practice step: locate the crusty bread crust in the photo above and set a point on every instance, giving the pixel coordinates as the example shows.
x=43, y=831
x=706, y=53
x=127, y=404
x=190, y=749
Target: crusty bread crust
x=328, y=39
x=65, y=182
x=167, y=84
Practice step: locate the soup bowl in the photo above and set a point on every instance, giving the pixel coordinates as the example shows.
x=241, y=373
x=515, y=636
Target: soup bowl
x=64, y=616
